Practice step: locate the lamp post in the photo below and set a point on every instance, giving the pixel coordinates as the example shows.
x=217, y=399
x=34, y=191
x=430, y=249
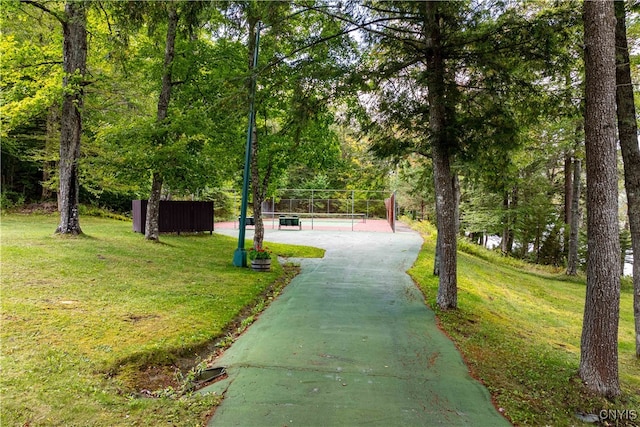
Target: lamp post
x=240, y=254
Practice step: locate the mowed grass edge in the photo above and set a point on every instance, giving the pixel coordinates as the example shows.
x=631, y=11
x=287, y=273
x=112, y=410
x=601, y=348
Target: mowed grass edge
x=518, y=327
x=82, y=319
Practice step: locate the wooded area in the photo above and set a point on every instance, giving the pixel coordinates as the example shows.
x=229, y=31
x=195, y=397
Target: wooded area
x=479, y=114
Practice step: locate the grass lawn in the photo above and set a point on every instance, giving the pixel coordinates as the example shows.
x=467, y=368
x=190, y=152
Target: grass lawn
x=519, y=329
x=89, y=321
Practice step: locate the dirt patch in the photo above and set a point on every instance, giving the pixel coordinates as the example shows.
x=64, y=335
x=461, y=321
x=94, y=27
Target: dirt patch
x=148, y=380
x=133, y=318
x=154, y=378
x=45, y=207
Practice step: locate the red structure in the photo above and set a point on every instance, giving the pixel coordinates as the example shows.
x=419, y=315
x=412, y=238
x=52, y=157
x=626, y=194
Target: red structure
x=390, y=204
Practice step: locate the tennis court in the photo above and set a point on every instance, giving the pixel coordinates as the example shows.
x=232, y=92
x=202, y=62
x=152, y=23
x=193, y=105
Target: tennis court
x=346, y=223
x=327, y=210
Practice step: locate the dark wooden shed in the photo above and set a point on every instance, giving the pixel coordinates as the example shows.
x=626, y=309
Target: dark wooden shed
x=176, y=216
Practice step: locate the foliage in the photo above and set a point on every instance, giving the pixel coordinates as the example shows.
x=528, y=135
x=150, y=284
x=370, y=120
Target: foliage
x=414, y=187
x=224, y=202
x=303, y=59
x=508, y=68
x=488, y=55
x=31, y=85
x=259, y=253
x=89, y=321
x=31, y=66
x=350, y=167
x=191, y=147
x=10, y=199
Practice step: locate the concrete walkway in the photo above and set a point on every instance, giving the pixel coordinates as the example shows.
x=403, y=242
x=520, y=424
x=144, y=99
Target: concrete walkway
x=349, y=342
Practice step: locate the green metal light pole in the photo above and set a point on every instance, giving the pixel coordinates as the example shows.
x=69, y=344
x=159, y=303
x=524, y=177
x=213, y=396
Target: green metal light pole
x=240, y=254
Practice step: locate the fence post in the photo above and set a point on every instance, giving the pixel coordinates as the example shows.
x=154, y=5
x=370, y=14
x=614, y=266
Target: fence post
x=353, y=195
x=394, y=211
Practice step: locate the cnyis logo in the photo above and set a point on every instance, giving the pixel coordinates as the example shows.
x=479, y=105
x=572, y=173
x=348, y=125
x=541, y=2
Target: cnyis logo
x=618, y=415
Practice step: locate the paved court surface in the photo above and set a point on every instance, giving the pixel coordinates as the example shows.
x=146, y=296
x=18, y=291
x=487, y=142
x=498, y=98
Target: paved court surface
x=321, y=224
x=349, y=342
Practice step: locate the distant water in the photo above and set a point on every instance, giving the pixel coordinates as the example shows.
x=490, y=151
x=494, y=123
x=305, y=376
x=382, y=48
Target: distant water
x=628, y=264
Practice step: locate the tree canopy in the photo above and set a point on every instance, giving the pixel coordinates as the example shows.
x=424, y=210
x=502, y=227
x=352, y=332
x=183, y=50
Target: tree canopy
x=336, y=82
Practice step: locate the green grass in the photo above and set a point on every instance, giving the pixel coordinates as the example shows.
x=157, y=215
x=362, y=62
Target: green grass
x=519, y=327
x=86, y=321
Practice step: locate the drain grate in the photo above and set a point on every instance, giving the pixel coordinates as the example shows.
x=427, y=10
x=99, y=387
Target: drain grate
x=211, y=374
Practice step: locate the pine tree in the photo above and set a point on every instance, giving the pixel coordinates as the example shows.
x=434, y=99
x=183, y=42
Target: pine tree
x=599, y=343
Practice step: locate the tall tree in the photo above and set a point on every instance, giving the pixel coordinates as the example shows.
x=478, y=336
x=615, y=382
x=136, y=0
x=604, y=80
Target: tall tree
x=189, y=149
x=445, y=78
x=599, y=343
x=441, y=153
x=628, y=135
x=257, y=186
x=171, y=148
x=153, y=206
x=75, y=68
x=304, y=53
x=568, y=197
x=74, y=51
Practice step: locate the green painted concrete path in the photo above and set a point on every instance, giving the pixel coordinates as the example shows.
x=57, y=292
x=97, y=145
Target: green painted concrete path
x=349, y=342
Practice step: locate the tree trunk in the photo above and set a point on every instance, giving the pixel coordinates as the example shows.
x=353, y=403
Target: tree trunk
x=436, y=259
x=510, y=241
x=506, y=225
x=625, y=245
x=153, y=207
x=443, y=181
x=258, y=194
x=513, y=207
x=574, y=226
x=455, y=182
x=599, y=343
x=457, y=196
x=628, y=131
x=568, y=200
x=152, y=224
x=537, y=242
x=445, y=208
x=51, y=137
x=256, y=187
x=75, y=64
x=568, y=189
